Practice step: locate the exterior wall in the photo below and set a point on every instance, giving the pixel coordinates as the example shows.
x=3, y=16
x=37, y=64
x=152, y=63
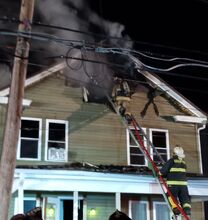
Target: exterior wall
x=197, y=211
x=104, y=203
x=182, y=134
x=96, y=134
x=92, y=127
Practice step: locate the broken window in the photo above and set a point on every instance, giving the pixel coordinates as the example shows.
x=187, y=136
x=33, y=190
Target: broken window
x=30, y=139
x=135, y=155
x=160, y=140
x=56, y=140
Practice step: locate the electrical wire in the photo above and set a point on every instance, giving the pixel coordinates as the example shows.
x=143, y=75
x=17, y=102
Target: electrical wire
x=123, y=51
x=38, y=23
x=67, y=57
x=48, y=37
x=151, y=57
x=115, y=51
x=132, y=51
x=109, y=64
x=158, y=70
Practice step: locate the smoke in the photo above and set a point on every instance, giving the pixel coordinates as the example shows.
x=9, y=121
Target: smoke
x=77, y=15
x=4, y=75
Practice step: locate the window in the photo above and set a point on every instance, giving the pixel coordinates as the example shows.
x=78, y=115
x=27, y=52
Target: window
x=56, y=140
x=160, y=211
x=29, y=139
x=29, y=203
x=160, y=140
x=139, y=210
x=135, y=155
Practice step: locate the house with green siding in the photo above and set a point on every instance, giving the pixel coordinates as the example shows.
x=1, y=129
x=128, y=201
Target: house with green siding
x=78, y=161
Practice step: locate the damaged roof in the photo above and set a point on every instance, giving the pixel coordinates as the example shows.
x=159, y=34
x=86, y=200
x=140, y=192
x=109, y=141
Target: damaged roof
x=85, y=166
x=195, y=114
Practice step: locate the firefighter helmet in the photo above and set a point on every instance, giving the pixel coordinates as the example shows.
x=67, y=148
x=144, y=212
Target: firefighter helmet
x=179, y=152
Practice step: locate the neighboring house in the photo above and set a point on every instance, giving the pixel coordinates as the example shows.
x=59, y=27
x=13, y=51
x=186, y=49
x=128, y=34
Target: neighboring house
x=78, y=161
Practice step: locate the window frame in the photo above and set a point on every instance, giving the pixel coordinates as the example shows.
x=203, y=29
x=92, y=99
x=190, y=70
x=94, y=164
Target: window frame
x=167, y=141
x=39, y=140
x=142, y=201
x=154, y=203
x=48, y=121
x=129, y=146
x=16, y=208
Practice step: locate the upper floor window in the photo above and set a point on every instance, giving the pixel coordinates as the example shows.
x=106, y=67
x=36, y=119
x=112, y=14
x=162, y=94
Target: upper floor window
x=160, y=140
x=56, y=140
x=135, y=155
x=29, y=139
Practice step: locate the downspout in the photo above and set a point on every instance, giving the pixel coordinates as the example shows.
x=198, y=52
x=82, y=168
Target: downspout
x=199, y=146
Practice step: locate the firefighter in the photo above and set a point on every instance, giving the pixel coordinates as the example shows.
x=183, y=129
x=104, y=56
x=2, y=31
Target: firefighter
x=34, y=214
x=118, y=215
x=121, y=95
x=174, y=170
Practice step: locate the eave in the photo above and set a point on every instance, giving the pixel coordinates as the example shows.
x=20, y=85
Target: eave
x=38, y=77
x=87, y=181
x=25, y=102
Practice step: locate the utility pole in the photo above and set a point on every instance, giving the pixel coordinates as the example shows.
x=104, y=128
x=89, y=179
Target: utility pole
x=14, y=109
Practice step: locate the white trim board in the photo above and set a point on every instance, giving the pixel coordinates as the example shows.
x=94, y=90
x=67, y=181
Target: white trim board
x=87, y=181
x=189, y=119
x=25, y=102
x=38, y=77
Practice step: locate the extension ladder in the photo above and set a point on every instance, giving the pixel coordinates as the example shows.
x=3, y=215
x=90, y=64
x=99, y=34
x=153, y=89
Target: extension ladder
x=137, y=137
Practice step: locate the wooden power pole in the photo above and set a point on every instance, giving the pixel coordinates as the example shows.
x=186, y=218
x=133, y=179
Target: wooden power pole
x=14, y=109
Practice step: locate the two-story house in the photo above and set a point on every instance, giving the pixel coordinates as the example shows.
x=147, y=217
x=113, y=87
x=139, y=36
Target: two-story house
x=77, y=160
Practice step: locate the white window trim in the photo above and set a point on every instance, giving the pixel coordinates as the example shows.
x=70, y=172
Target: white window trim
x=167, y=140
x=16, y=208
x=154, y=208
x=66, y=141
x=147, y=208
x=128, y=147
x=39, y=141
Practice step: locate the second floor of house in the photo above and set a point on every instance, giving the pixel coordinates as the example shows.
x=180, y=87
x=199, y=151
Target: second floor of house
x=59, y=128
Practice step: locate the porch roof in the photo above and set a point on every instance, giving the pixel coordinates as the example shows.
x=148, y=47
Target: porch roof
x=88, y=181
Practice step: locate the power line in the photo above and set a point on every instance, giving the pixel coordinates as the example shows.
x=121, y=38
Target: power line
x=38, y=23
x=105, y=63
x=91, y=46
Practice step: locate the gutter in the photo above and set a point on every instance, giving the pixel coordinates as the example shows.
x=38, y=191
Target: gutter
x=190, y=119
x=199, y=146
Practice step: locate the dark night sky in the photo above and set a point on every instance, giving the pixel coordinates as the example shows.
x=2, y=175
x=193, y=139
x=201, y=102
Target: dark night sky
x=172, y=28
